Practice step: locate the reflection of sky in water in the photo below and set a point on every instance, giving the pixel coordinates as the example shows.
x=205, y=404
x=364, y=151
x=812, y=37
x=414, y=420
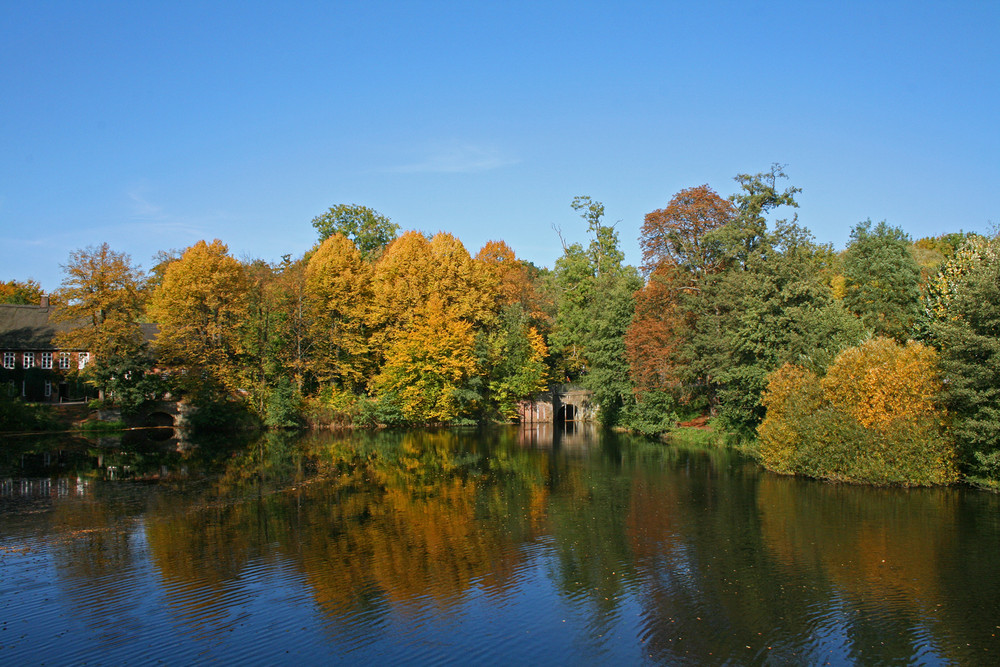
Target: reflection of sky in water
x=427, y=549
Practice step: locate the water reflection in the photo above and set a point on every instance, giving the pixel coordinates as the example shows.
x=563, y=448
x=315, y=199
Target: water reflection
x=536, y=543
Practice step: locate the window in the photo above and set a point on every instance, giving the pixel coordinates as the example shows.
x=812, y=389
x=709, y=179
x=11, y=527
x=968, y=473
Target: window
x=46, y=360
x=10, y=388
x=8, y=360
x=64, y=360
x=82, y=359
x=29, y=359
x=48, y=389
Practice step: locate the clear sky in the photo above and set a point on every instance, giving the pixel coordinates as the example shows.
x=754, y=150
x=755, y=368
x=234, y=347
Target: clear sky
x=151, y=125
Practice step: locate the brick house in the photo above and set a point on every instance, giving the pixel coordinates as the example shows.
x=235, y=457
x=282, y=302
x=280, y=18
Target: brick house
x=31, y=366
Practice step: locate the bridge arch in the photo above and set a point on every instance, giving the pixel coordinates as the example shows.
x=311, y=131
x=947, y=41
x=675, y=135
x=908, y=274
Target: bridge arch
x=560, y=404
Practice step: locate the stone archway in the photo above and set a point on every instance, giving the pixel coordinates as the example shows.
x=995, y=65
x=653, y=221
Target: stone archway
x=567, y=413
x=159, y=418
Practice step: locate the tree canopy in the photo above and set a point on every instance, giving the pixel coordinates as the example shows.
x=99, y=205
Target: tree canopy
x=370, y=231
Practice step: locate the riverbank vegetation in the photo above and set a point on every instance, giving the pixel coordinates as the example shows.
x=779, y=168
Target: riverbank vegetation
x=876, y=364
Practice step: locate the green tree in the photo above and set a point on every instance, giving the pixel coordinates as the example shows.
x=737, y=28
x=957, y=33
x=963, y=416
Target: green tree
x=882, y=280
x=963, y=306
x=370, y=231
x=769, y=303
x=610, y=315
x=595, y=302
x=511, y=363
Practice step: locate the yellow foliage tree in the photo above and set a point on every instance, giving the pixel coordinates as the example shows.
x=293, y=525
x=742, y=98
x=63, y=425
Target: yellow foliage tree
x=101, y=290
x=874, y=418
x=881, y=382
x=427, y=364
x=338, y=291
x=199, y=307
x=793, y=394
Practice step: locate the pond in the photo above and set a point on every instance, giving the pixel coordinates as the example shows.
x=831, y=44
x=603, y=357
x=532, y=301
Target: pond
x=470, y=547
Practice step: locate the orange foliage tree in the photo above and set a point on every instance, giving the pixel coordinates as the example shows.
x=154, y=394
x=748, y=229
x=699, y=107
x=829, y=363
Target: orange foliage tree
x=677, y=257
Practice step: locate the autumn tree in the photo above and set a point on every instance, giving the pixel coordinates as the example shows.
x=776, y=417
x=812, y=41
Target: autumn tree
x=882, y=280
x=427, y=364
x=876, y=417
x=338, y=291
x=510, y=350
x=101, y=294
x=677, y=257
x=199, y=308
x=20, y=292
x=370, y=231
x=101, y=290
x=752, y=295
x=675, y=237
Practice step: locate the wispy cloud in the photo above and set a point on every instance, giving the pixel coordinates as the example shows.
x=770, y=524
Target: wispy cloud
x=141, y=206
x=456, y=159
x=148, y=216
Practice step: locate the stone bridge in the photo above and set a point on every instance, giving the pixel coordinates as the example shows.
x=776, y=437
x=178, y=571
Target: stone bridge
x=560, y=403
x=154, y=413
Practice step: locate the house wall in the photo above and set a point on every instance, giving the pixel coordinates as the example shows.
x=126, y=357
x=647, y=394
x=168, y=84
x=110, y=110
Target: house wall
x=30, y=383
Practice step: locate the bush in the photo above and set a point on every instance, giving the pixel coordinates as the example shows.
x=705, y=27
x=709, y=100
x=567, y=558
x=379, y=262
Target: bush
x=284, y=406
x=220, y=414
x=652, y=413
x=16, y=415
x=875, y=418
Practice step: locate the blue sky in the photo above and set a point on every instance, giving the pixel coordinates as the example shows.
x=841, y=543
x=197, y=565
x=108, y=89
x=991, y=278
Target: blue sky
x=153, y=125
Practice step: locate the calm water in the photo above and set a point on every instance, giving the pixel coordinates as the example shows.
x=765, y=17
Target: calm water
x=505, y=547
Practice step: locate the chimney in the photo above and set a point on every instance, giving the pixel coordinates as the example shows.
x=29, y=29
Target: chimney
x=45, y=301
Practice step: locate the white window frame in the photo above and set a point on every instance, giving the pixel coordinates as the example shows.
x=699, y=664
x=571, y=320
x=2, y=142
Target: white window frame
x=82, y=358
x=64, y=360
x=29, y=359
x=48, y=388
x=47, y=360
x=9, y=360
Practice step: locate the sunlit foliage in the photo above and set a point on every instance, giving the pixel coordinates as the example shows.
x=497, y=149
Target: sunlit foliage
x=199, y=307
x=20, y=292
x=876, y=417
x=338, y=291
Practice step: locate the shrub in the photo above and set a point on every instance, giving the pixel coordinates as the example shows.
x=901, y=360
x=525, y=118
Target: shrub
x=16, y=415
x=652, y=413
x=875, y=418
x=331, y=408
x=284, y=406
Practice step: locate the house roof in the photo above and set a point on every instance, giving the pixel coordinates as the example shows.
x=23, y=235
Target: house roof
x=32, y=328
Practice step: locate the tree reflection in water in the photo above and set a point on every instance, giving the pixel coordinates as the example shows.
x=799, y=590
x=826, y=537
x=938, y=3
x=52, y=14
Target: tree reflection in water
x=598, y=547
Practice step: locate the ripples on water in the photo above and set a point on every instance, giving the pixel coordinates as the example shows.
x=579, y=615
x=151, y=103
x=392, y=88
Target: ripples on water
x=469, y=548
